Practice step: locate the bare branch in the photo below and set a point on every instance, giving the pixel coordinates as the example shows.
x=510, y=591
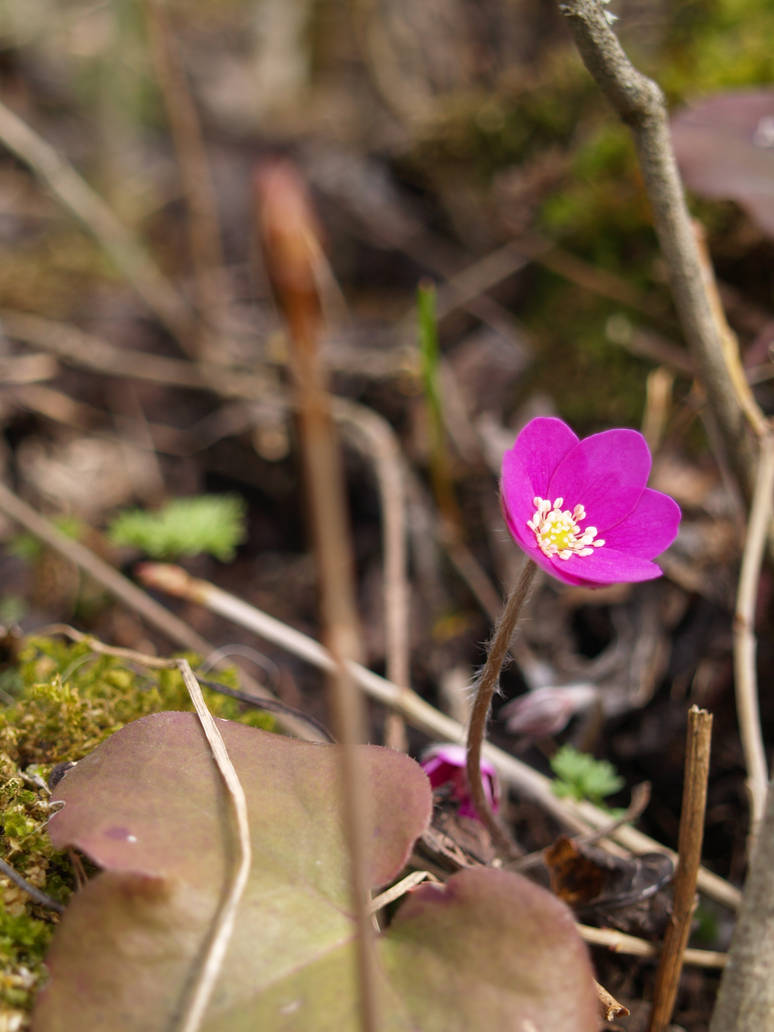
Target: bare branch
x=746, y=998
x=640, y=104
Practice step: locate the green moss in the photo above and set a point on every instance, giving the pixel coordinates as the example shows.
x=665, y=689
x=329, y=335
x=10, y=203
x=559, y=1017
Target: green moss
x=213, y=524
x=717, y=45
x=67, y=700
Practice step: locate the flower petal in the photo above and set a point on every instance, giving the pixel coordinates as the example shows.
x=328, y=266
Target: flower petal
x=606, y=473
x=604, y=566
x=527, y=469
x=530, y=463
x=649, y=529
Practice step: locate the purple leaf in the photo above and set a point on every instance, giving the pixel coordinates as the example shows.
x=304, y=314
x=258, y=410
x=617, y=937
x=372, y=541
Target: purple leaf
x=725, y=149
x=147, y=806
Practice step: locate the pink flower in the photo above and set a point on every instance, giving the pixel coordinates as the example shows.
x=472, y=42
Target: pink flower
x=445, y=765
x=580, y=509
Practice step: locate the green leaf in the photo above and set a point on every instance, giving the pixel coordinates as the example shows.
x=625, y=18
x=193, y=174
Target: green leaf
x=581, y=776
x=488, y=949
x=214, y=524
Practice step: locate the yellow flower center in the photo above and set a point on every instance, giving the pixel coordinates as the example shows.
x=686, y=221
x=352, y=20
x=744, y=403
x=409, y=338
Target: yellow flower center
x=557, y=530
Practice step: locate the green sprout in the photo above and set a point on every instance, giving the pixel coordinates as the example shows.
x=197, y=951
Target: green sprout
x=581, y=777
x=214, y=524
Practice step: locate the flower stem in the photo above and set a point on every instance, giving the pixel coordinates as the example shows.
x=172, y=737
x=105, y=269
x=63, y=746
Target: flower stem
x=485, y=689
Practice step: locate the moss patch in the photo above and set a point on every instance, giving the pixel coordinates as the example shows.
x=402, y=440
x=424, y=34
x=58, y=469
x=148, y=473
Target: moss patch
x=66, y=700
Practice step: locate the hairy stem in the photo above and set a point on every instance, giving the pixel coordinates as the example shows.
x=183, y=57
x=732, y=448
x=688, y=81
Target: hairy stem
x=485, y=689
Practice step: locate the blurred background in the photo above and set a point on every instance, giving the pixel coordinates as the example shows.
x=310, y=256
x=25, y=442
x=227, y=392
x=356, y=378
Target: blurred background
x=144, y=361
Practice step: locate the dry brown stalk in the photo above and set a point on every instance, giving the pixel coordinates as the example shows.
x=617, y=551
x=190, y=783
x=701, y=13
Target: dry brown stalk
x=690, y=839
x=290, y=238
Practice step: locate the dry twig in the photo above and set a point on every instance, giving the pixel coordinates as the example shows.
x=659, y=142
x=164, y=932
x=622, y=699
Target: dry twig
x=689, y=852
x=746, y=999
x=631, y=945
x=744, y=636
x=202, y=987
x=609, y=1007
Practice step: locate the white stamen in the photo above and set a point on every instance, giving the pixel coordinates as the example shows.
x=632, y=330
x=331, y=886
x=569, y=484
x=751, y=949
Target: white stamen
x=557, y=532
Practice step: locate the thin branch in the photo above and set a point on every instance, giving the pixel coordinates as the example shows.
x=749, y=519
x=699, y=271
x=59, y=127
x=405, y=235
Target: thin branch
x=631, y=945
x=236, y=880
x=581, y=816
x=290, y=238
x=690, y=840
x=399, y=889
x=746, y=998
x=744, y=635
x=72, y=191
x=640, y=104
x=485, y=688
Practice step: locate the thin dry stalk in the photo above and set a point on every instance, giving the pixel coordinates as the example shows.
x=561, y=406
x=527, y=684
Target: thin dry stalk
x=203, y=222
x=631, y=945
x=746, y=999
x=376, y=436
x=222, y=928
x=485, y=688
x=399, y=889
x=737, y=375
x=609, y=1007
x=744, y=636
x=690, y=840
x=580, y=816
x=640, y=104
x=129, y=256
x=291, y=245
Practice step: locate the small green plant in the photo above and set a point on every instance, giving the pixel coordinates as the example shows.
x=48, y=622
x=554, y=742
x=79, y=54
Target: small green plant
x=581, y=777
x=214, y=524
